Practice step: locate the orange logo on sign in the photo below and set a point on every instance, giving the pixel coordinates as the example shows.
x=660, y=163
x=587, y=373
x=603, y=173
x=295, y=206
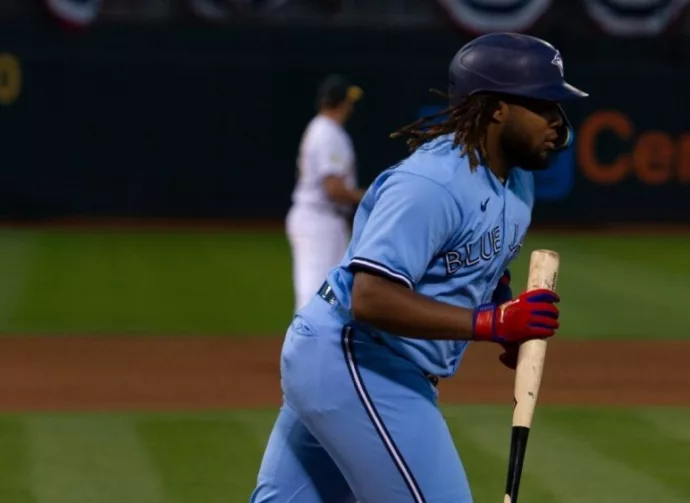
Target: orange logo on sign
x=653, y=157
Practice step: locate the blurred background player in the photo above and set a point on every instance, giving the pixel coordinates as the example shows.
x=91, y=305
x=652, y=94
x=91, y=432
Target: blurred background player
x=326, y=191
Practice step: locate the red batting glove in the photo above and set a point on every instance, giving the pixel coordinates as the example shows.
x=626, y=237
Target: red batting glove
x=532, y=315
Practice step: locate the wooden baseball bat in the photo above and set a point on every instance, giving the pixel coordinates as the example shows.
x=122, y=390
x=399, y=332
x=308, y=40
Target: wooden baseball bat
x=543, y=273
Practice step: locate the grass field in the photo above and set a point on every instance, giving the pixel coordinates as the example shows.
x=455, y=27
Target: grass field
x=239, y=283
x=578, y=455
x=202, y=283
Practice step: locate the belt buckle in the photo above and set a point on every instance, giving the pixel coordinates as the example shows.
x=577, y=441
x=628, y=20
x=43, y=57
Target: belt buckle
x=326, y=293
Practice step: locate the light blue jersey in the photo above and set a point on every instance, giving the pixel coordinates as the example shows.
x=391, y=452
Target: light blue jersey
x=435, y=226
x=358, y=401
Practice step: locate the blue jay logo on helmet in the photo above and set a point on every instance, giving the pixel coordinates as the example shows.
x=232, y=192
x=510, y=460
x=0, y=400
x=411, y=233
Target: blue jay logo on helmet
x=558, y=61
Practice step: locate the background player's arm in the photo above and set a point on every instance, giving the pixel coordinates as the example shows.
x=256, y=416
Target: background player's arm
x=339, y=192
x=331, y=157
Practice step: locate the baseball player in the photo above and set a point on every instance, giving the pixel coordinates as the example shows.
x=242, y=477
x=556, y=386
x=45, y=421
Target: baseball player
x=318, y=223
x=426, y=272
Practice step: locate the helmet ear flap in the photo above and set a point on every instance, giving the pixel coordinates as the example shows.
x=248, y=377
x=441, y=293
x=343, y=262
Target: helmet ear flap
x=566, y=134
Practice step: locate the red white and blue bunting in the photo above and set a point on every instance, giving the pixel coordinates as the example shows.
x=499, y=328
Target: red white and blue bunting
x=74, y=13
x=634, y=17
x=484, y=16
x=615, y=17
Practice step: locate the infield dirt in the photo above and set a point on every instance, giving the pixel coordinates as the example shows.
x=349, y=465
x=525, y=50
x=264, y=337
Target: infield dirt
x=154, y=373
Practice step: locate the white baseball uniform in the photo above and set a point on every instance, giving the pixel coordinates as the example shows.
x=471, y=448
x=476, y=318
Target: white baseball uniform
x=318, y=228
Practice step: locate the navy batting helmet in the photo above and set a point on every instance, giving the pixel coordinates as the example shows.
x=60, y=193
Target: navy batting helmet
x=512, y=64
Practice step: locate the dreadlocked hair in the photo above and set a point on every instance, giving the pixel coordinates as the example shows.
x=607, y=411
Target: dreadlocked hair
x=468, y=120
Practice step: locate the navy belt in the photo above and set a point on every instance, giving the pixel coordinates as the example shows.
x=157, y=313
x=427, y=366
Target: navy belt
x=327, y=294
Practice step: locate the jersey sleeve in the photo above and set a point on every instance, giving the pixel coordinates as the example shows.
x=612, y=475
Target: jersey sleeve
x=330, y=156
x=411, y=220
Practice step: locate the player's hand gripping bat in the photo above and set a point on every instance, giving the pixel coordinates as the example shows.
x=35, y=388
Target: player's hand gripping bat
x=543, y=273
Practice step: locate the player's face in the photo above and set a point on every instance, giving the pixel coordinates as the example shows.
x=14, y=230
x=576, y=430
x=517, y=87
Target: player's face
x=529, y=135
x=348, y=107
